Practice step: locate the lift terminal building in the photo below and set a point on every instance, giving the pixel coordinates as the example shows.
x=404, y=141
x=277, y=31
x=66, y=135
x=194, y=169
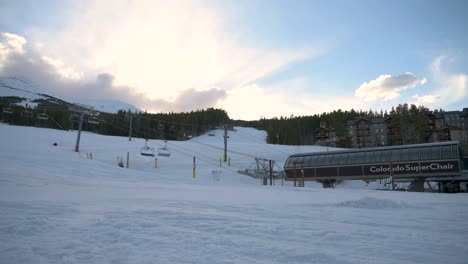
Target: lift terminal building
x=441, y=162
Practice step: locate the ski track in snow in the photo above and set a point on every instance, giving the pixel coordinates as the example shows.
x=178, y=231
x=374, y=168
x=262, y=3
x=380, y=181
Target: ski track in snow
x=58, y=207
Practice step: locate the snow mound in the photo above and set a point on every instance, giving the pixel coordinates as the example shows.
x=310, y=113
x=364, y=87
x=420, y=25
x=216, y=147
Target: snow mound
x=374, y=203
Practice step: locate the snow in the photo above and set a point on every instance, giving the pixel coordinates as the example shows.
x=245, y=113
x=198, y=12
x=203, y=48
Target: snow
x=58, y=206
x=108, y=106
x=12, y=86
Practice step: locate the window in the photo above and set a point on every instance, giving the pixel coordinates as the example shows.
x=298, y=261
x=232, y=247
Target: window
x=414, y=153
x=313, y=161
x=446, y=152
x=359, y=157
x=327, y=159
x=395, y=155
x=435, y=153
x=454, y=151
x=344, y=158
x=375, y=156
x=368, y=157
x=308, y=161
x=404, y=155
x=386, y=156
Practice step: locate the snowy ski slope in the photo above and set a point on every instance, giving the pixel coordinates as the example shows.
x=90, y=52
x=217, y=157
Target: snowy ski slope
x=30, y=91
x=58, y=206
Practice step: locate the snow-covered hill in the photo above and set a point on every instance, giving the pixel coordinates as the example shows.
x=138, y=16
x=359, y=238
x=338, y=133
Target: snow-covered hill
x=59, y=206
x=30, y=91
x=108, y=106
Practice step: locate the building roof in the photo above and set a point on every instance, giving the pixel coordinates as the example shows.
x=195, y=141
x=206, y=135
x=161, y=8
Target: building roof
x=380, y=148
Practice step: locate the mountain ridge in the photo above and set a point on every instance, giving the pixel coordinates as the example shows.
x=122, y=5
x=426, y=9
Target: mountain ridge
x=30, y=93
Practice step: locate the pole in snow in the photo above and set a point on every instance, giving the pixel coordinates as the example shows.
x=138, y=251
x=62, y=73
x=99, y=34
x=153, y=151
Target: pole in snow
x=128, y=158
x=194, y=173
x=225, y=142
x=77, y=145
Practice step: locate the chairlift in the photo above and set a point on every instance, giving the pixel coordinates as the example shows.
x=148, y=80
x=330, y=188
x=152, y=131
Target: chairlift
x=164, y=151
x=7, y=110
x=93, y=120
x=43, y=116
x=147, y=151
x=27, y=114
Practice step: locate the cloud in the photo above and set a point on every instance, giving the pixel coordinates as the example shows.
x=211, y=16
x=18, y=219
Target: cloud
x=448, y=88
x=10, y=44
x=64, y=81
x=162, y=55
x=426, y=99
x=13, y=43
x=161, y=48
x=387, y=87
x=62, y=69
x=191, y=99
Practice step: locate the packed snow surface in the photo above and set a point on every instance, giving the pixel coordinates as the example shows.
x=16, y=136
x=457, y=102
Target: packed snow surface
x=59, y=206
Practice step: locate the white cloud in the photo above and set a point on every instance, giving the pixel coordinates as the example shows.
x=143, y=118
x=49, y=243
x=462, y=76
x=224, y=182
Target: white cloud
x=10, y=44
x=387, y=87
x=448, y=88
x=157, y=55
x=65, y=81
x=13, y=42
x=426, y=99
x=62, y=69
x=160, y=48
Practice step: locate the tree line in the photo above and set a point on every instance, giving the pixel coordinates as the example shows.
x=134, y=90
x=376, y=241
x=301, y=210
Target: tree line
x=410, y=123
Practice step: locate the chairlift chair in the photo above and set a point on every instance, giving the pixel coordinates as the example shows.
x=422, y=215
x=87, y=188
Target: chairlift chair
x=164, y=151
x=147, y=151
x=43, y=116
x=7, y=110
x=93, y=120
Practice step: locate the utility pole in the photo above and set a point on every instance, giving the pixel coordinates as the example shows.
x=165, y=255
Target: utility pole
x=77, y=146
x=225, y=142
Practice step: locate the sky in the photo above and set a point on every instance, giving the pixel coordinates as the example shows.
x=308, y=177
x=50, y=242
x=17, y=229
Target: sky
x=252, y=58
